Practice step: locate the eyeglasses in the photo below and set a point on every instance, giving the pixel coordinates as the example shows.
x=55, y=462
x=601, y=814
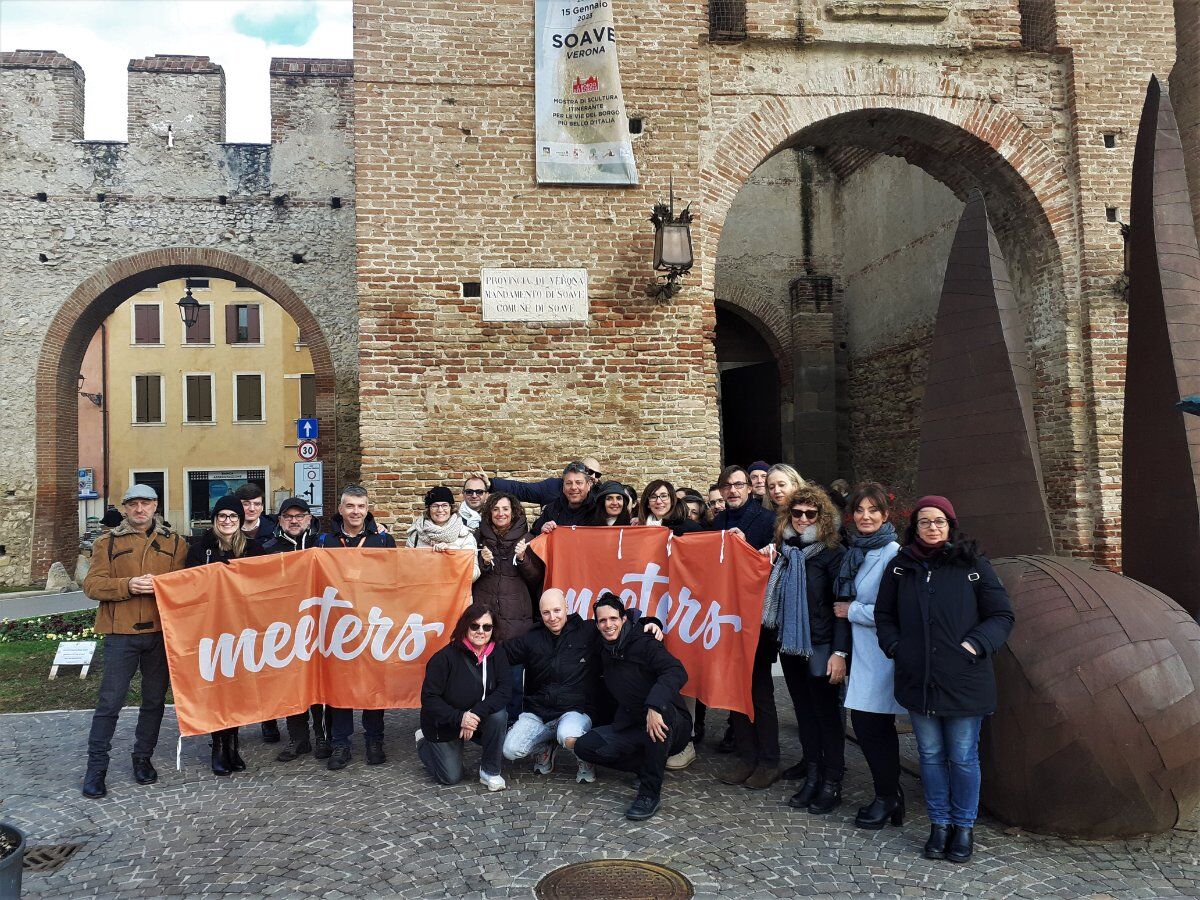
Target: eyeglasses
x=485, y=627
x=661, y=497
x=805, y=514
x=474, y=492
x=225, y=517
x=714, y=503
x=932, y=523
x=593, y=473
x=737, y=485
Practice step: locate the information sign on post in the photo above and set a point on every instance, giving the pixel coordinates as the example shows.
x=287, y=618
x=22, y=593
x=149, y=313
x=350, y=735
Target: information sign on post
x=73, y=653
x=310, y=482
x=306, y=430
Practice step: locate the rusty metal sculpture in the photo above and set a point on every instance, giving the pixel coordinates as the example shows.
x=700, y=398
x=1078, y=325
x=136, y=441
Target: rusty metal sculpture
x=978, y=440
x=1160, y=488
x=1098, y=731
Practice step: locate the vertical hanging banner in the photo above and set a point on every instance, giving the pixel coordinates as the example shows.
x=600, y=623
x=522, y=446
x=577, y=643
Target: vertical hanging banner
x=582, y=134
x=706, y=588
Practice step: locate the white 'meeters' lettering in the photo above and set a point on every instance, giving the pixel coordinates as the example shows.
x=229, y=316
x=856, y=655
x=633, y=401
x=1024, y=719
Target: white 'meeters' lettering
x=311, y=635
x=677, y=615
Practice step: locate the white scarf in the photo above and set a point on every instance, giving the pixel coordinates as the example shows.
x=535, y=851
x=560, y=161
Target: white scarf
x=471, y=516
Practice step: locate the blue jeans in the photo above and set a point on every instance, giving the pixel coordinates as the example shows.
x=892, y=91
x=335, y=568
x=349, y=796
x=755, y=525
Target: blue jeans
x=531, y=735
x=949, y=750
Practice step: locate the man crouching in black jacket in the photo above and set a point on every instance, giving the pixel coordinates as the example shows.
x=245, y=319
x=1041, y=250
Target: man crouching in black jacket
x=651, y=722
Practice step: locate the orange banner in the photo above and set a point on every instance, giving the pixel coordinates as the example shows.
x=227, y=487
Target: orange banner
x=707, y=588
x=269, y=636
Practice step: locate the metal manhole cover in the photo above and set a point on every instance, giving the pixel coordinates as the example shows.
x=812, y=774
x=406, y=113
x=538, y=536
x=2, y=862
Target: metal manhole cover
x=614, y=879
x=49, y=858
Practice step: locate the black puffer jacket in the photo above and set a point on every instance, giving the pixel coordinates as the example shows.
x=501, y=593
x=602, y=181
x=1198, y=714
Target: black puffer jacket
x=455, y=683
x=207, y=550
x=562, y=671
x=507, y=587
x=821, y=573
x=641, y=674
x=923, y=614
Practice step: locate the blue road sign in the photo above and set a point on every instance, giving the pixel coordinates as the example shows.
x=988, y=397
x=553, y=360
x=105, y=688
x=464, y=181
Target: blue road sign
x=306, y=430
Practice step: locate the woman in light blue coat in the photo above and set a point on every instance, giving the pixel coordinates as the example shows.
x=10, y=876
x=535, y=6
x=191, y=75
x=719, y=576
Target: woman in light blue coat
x=869, y=695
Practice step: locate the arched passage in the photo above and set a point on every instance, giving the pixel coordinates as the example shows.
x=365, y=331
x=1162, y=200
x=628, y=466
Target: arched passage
x=964, y=142
x=759, y=398
x=62, y=352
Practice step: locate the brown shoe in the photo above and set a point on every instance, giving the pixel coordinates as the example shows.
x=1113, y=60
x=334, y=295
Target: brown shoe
x=761, y=778
x=737, y=774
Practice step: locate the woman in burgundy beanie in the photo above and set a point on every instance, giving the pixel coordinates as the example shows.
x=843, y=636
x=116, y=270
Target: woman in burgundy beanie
x=942, y=614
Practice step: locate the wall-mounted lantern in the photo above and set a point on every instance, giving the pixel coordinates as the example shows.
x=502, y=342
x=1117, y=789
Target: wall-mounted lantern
x=672, y=244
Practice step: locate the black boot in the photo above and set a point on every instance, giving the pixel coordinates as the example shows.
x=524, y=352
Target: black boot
x=796, y=772
x=375, y=754
x=236, y=763
x=294, y=750
x=804, y=796
x=962, y=843
x=143, y=771
x=93, y=785
x=829, y=795
x=880, y=811
x=726, y=745
x=220, y=754
x=270, y=732
x=935, y=847
x=321, y=728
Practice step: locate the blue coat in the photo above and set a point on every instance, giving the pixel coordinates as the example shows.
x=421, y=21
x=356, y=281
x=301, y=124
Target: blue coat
x=756, y=523
x=872, y=686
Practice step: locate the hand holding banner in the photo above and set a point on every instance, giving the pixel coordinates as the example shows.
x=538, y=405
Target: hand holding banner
x=271, y=635
x=706, y=588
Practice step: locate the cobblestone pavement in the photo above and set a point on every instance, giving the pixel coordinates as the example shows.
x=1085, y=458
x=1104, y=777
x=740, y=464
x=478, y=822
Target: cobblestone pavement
x=297, y=829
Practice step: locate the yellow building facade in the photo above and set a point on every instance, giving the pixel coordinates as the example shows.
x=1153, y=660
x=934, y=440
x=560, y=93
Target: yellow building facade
x=197, y=412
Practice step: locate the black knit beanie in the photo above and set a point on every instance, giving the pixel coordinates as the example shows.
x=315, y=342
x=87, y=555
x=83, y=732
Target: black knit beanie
x=439, y=494
x=229, y=503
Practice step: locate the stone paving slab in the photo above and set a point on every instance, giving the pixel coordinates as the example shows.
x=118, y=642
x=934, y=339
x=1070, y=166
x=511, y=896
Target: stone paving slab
x=387, y=831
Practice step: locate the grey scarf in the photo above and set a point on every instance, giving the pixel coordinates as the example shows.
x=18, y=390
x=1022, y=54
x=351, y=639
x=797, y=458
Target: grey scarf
x=424, y=531
x=785, y=607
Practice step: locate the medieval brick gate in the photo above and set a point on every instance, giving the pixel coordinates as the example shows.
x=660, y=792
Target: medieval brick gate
x=89, y=223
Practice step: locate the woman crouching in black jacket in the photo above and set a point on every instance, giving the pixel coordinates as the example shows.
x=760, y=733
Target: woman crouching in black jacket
x=223, y=542
x=463, y=698
x=814, y=644
x=941, y=615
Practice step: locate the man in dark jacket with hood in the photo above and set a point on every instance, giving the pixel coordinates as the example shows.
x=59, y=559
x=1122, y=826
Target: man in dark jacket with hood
x=564, y=501
x=651, y=722
x=294, y=532
x=354, y=526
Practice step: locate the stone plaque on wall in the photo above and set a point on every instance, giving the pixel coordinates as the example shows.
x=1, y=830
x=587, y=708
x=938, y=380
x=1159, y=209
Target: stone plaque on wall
x=535, y=295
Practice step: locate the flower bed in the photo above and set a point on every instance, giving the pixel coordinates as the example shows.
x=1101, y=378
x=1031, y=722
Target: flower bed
x=73, y=626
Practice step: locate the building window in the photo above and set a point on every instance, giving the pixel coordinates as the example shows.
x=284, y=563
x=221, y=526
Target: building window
x=147, y=324
x=147, y=400
x=248, y=398
x=1039, y=24
x=205, y=487
x=201, y=332
x=198, y=399
x=196, y=284
x=308, y=396
x=727, y=20
x=242, y=324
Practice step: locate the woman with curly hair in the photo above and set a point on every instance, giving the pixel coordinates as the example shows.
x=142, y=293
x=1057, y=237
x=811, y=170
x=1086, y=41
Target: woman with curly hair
x=814, y=644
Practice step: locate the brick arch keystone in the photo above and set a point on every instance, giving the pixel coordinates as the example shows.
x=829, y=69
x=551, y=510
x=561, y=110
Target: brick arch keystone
x=81, y=314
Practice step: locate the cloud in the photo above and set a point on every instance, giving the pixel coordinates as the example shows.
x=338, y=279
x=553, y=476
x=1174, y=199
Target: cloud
x=103, y=35
x=290, y=25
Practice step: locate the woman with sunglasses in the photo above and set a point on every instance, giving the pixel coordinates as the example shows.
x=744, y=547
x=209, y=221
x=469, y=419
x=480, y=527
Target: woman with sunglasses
x=814, y=644
x=223, y=543
x=463, y=698
x=941, y=615
x=612, y=505
x=870, y=693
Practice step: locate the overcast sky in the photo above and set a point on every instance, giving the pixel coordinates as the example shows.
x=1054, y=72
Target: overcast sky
x=239, y=35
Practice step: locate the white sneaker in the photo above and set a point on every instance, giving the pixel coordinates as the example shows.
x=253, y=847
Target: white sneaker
x=543, y=763
x=683, y=758
x=492, y=782
x=586, y=773
x=420, y=735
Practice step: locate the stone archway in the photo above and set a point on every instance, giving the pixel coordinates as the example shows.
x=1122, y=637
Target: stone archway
x=964, y=141
x=55, y=535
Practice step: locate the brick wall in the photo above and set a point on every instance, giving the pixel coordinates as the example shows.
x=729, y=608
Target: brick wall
x=1185, y=91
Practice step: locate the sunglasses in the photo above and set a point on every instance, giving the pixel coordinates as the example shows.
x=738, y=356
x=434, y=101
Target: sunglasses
x=805, y=514
x=474, y=492
x=485, y=627
x=593, y=473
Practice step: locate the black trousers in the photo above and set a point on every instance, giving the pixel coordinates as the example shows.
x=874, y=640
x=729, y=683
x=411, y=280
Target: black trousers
x=818, y=716
x=124, y=655
x=444, y=759
x=297, y=725
x=757, y=742
x=877, y=738
x=631, y=749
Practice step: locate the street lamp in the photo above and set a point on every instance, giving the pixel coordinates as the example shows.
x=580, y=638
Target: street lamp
x=672, y=244
x=189, y=309
x=97, y=399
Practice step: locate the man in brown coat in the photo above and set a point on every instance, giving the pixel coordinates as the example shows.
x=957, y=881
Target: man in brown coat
x=124, y=563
